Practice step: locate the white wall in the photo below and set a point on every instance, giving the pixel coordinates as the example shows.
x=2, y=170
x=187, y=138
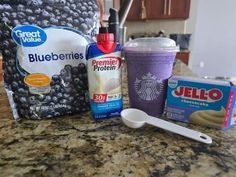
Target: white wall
x=154, y=26
x=213, y=47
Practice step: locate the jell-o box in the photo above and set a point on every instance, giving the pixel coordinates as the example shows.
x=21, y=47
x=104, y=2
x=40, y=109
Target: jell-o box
x=200, y=101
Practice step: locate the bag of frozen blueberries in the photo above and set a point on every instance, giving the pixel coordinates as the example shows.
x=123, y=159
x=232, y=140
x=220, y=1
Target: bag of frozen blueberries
x=43, y=43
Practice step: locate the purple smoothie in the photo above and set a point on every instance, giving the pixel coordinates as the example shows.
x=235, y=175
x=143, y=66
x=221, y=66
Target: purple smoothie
x=149, y=68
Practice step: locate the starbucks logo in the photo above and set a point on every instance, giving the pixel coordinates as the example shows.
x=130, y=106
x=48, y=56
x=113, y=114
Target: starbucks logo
x=148, y=87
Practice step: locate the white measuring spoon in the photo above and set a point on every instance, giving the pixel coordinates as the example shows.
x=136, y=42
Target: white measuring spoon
x=135, y=118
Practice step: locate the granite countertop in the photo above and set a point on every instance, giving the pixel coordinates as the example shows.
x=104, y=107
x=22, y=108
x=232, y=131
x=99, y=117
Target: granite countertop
x=78, y=146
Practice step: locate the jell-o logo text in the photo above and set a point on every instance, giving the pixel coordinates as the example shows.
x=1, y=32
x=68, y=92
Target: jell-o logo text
x=192, y=93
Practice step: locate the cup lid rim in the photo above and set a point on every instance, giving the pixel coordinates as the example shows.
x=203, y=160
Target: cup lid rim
x=151, y=45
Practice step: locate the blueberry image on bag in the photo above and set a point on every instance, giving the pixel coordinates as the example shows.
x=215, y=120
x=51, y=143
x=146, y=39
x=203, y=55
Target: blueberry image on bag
x=43, y=43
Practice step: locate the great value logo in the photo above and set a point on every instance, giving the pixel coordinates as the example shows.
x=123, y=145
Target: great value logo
x=192, y=93
x=29, y=35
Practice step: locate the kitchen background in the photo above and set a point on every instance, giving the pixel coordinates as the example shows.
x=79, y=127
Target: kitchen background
x=211, y=23
x=213, y=40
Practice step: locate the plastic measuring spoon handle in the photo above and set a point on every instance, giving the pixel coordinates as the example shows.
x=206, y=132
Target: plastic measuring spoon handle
x=198, y=136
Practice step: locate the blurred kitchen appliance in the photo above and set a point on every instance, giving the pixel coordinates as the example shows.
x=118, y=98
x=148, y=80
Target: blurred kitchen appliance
x=183, y=40
x=123, y=13
x=124, y=10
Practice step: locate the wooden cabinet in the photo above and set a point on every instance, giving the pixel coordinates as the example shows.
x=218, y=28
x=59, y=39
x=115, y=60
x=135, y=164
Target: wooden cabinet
x=135, y=11
x=183, y=56
x=159, y=9
x=156, y=9
x=178, y=9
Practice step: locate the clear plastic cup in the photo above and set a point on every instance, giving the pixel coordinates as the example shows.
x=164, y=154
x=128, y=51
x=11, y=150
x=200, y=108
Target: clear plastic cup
x=149, y=65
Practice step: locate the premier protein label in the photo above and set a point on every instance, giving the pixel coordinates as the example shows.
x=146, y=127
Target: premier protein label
x=106, y=64
x=105, y=82
x=104, y=77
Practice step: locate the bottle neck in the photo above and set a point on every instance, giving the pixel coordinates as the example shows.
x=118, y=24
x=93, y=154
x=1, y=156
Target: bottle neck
x=106, y=43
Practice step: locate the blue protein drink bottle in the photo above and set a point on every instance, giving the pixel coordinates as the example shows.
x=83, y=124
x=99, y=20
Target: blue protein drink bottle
x=104, y=76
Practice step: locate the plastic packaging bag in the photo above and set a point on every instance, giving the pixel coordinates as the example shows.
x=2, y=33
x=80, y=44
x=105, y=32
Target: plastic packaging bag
x=43, y=43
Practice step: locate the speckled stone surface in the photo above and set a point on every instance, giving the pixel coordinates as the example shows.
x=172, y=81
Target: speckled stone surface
x=77, y=146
